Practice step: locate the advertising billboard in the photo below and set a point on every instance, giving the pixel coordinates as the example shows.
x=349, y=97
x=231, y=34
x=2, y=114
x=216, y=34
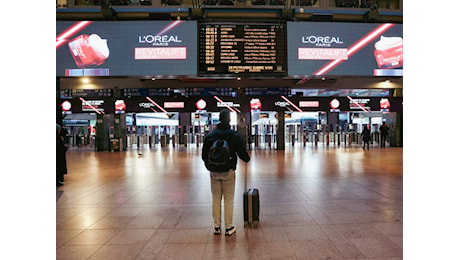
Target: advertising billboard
x=126, y=48
x=344, y=49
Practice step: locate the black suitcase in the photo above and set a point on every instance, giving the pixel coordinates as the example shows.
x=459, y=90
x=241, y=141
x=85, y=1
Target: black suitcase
x=251, y=207
x=251, y=204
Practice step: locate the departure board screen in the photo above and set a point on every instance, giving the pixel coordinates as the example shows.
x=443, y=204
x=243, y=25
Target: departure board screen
x=249, y=49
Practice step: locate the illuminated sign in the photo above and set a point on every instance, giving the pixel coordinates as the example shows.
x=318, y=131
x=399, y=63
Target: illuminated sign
x=331, y=48
x=66, y=105
x=384, y=105
x=92, y=106
x=200, y=104
x=251, y=49
x=281, y=104
x=308, y=103
x=126, y=48
x=360, y=103
x=255, y=103
x=120, y=107
x=227, y=104
x=335, y=104
x=174, y=104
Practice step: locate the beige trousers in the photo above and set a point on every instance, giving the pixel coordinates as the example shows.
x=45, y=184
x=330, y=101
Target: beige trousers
x=223, y=185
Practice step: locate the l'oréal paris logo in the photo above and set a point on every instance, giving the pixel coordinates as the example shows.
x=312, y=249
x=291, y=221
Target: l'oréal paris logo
x=157, y=40
x=321, y=41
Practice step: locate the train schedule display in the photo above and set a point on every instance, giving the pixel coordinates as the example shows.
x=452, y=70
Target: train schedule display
x=237, y=49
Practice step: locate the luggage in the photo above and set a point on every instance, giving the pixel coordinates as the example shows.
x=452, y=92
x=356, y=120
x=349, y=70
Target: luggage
x=251, y=204
x=251, y=207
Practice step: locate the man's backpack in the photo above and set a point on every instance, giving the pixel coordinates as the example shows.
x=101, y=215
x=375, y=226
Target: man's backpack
x=219, y=156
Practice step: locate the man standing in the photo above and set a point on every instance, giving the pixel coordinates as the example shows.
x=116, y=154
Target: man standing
x=383, y=134
x=223, y=182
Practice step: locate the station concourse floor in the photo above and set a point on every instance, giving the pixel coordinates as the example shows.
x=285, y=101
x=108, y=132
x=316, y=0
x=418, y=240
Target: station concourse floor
x=316, y=203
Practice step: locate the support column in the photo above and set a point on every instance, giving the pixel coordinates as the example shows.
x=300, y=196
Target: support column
x=119, y=130
x=102, y=132
x=184, y=126
x=280, y=142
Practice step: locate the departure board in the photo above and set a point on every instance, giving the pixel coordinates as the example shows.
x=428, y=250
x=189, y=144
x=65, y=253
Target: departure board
x=267, y=91
x=226, y=92
x=249, y=49
x=71, y=93
x=146, y=92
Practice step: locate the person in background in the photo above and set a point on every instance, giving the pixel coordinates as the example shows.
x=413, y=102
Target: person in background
x=61, y=165
x=366, y=134
x=223, y=183
x=383, y=134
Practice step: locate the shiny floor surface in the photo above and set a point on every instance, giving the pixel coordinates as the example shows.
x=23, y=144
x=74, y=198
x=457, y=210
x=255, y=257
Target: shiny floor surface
x=316, y=203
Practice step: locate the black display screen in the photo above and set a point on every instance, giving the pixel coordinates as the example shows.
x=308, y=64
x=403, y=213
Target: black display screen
x=237, y=49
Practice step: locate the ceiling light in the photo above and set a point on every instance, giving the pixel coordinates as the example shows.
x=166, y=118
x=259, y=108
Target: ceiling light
x=85, y=80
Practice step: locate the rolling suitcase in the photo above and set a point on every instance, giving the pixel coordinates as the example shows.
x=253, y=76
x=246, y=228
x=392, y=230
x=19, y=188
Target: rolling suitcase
x=250, y=204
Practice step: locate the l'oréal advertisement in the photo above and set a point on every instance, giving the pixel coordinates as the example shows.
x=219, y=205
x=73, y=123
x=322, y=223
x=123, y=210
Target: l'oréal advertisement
x=350, y=49
x=126, y=48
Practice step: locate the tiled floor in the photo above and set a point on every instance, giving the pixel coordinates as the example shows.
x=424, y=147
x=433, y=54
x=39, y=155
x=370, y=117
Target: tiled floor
x=316, y=203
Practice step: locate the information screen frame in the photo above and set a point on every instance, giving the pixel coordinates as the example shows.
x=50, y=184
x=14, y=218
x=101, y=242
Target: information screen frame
x=249, y=68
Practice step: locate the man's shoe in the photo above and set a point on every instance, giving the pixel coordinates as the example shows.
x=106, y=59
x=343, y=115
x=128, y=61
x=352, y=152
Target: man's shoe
x=217, y=231
x=230, y=231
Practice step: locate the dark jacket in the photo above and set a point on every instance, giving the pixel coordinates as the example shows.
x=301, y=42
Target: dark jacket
x=61, y=164
x=384, y=130
x=235, y=140
x=366, y=134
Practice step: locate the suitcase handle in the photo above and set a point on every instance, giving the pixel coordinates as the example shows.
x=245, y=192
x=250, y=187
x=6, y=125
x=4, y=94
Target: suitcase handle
x=245, y=176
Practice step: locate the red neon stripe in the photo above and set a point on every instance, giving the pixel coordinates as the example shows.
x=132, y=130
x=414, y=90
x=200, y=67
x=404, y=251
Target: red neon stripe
x=292, y=104
x=93, y=108
x=220, y=100
x=153, y=102
x=64, y=36
x=169, y=27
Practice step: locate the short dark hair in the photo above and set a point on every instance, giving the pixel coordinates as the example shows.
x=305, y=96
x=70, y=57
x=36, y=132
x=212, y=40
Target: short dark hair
x=224, y=116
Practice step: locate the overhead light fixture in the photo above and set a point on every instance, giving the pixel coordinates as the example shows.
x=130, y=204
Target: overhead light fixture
x=85, y=80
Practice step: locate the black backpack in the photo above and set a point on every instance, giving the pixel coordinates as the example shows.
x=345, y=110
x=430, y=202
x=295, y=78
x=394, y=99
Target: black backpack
x=219, y=156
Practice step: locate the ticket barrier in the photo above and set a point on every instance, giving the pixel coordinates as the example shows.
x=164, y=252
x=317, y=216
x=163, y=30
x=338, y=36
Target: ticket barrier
x=164, y=140
x=173, y=140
